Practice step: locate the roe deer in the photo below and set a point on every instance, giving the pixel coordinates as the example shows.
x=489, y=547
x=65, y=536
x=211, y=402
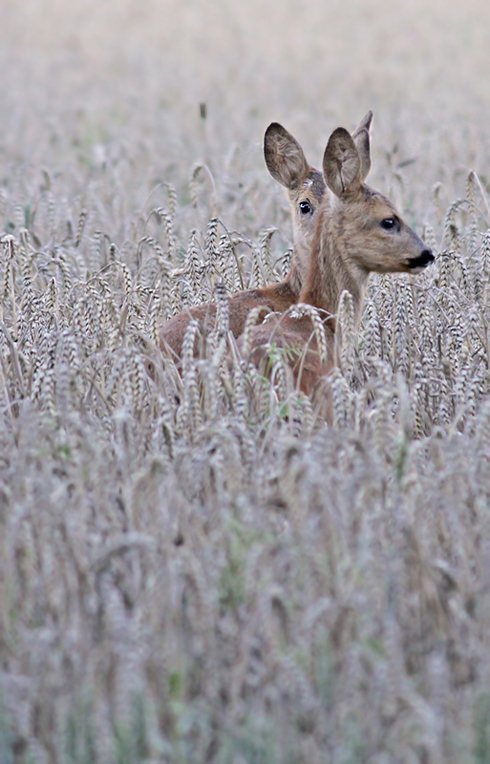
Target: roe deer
x=287, y=164
x=358, y=231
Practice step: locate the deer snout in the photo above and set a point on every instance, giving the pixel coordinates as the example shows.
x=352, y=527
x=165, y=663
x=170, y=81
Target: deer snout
x=417, y=264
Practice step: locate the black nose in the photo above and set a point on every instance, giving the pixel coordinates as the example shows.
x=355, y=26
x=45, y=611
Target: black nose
x=422, y=260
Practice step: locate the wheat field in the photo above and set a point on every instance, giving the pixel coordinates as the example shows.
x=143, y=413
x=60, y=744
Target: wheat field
x=196, y=567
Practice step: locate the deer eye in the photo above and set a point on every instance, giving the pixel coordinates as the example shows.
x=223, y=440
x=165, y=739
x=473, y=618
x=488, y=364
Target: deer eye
x=388, y=223
x=305, y=207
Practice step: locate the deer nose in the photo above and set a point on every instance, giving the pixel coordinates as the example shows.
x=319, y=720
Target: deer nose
x=422, y=260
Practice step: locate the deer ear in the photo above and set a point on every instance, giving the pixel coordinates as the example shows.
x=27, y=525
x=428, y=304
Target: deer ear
x=341, y=163
x=364, y=124
x=284, y=157
x=362, y=141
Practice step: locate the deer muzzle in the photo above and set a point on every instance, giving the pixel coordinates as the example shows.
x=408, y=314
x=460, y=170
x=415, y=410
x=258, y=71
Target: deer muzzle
x=418, y=264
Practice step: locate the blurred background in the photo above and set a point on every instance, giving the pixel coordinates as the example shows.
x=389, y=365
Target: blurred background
x=91, y=81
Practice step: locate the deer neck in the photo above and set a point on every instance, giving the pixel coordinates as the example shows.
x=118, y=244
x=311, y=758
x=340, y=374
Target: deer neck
x=332, y=270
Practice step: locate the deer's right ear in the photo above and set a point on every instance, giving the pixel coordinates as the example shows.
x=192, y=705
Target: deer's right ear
x=341, y=163
x=284, y=157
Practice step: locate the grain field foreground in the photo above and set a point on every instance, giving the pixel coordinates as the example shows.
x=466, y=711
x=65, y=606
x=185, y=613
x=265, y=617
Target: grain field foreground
x=197, y=568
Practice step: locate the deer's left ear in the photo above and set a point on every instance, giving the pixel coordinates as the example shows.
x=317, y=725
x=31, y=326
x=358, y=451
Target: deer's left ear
x=363, y=146
x=341, y=163
x=361, y=137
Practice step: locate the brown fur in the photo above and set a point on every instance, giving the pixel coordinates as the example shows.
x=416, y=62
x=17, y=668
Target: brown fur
x=349, y=243
x=278, y=297
x=287, y=164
